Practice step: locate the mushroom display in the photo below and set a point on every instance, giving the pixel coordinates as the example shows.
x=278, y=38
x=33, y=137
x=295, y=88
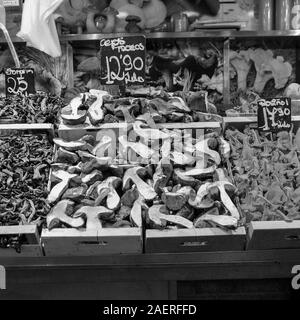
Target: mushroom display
x=266, y=174
x=96, y=106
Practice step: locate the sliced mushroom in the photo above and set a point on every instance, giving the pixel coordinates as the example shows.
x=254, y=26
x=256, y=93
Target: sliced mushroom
x=65, y=156
x=107, y=189
x=75, y=194
x=138, y=147
x=182, y=159
x=91, y=178
x=136, y=213
x=221, y=221
x=149, y=134
x=202, y=147
x=132, y=175
x=59, y=189
x=201, y=173
x=93, y=216
x=181, y=178
x=102, y=146
x=70, y=146
x=101, y=162
x=175, y=201
x=203, y=191
x=162, y=176
x=226, y=200
x=60, y=214
x=96, y=112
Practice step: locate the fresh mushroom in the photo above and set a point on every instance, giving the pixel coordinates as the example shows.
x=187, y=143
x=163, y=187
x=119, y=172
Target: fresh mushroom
x=203, y=191
x=175, y=201
x=59, y=189
x=102, y=146
x=138, y=147
x=157, y=217
x=71, y=114
x=200, y=173
x=101, y=162
x=202, y=147
x=226, y=200
x=65, y=156
x=60, y=214
x=107, y=189
x=136, y=214
x=183, y=159
x=93, y=216
x=181, y=178
x=133, y=175
x=95, y=112
x=70, y=146
x=149, y=134
x=162, y=176
x=221, y=221
x=91, y=178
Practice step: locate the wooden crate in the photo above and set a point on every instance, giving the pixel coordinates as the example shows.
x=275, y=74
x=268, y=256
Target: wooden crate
x=72, y=133
x=264, y=235
x=8, y=129
x=269, y=235
x=194, y=240
x=32, y=249
x=71, y=242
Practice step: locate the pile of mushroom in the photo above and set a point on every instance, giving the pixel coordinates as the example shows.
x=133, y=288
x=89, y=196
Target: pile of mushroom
x=96, y=107
x=178, y=182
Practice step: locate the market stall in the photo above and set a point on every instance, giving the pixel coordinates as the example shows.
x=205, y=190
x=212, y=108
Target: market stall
x=150, y=135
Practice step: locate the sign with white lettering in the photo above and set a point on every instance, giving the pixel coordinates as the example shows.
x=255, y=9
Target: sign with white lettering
x=19, y=81
x=274, y=115
x=123, y=60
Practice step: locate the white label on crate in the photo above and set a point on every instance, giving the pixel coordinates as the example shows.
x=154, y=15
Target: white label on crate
x=2, y=278
x=11, y=3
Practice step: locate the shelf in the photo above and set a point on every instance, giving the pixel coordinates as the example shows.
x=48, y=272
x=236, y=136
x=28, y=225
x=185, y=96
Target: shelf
x=206, y=34
x=214, y=34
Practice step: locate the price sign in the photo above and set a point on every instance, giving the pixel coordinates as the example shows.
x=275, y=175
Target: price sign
x=274, y=115
x=123, y=60
x=19, y=81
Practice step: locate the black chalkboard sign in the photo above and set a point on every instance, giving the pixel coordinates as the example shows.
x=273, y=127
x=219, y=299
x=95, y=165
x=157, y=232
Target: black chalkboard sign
x=123, y=60
x=274, y=115
x=19, y=81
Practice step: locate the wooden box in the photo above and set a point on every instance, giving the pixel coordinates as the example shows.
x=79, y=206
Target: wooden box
x=195, y=240
x=265, y=235
x=32, y=248
x=271, y=235
x=8, y=129
x=71, y=242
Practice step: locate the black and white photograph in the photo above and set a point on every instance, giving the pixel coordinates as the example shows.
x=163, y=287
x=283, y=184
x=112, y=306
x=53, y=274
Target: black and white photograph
x=149, y=155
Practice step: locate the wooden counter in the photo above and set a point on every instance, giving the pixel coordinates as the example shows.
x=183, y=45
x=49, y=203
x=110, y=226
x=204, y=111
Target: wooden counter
x=154, y=276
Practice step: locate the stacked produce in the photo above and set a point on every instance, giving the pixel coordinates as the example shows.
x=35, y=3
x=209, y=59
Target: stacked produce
x=98, y=107
x=37, y=108
x=24, y=174
x=258, y=72
x=266, y=172
x=174, y=184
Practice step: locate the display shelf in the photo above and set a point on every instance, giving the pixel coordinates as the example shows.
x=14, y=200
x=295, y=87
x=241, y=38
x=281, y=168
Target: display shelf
x=214, y=34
